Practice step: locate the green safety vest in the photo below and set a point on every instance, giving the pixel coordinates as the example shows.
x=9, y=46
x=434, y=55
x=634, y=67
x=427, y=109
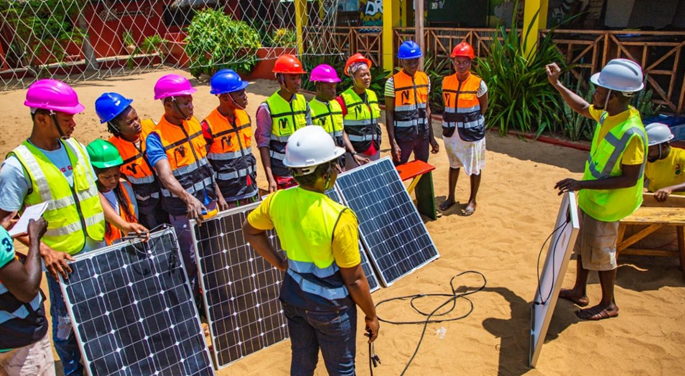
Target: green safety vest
x=73, y=212
x=286, y=118
x=604, y=161
x=329, y=116
x=361, y=120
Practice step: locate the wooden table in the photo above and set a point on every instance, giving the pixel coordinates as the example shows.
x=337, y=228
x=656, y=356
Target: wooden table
x=422, y=175
x=654, y=217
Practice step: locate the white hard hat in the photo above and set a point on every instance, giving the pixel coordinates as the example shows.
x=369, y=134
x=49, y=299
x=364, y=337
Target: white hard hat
x=620, y=75
x=309, y=147
x=658, y=133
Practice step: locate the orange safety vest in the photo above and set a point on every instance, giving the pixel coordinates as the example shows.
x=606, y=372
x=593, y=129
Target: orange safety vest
x=411, y=98
x=137, y=169
x=112, y=233
x=230, y=153
x=462, y=108
x=186, y=150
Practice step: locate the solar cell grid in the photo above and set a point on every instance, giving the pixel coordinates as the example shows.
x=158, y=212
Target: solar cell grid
x=389, y=224
x=133, y=313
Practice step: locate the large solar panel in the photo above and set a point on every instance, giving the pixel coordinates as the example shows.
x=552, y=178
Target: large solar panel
x=240, y=289
x=390, y=226
x=133, y=312
x=366, y=266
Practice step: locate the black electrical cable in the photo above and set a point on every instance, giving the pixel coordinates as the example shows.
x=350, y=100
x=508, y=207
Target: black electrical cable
x=561, y=227
x=451, y=298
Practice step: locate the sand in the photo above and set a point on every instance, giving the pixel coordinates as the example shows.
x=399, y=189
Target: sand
x=517, y=207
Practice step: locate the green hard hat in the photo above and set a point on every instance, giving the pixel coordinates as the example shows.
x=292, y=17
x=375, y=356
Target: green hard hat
x=103, y=154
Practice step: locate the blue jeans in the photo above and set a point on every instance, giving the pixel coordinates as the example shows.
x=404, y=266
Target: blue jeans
x=62, y=331
x=334, y=332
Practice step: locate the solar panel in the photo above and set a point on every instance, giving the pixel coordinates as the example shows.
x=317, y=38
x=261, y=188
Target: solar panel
x=133, y=312
x=370, y=274
x=240, y=289
x=390, y=226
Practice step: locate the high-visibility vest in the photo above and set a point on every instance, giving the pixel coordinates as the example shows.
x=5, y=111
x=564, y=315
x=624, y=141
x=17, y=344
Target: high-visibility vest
x=305, y=222
x=136, y=168
x=329, y=116
x=411, y=98
x=286, y=118
x=361, y=121
x=604, y=161
x=186, y=151
x=462, y=108
x=112, y=233
x=73, y=212
x=230, y=154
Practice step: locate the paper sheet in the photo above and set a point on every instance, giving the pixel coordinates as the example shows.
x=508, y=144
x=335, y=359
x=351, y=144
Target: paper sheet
x=31, y=212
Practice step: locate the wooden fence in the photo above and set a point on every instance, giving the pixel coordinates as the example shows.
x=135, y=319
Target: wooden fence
x=658, y=52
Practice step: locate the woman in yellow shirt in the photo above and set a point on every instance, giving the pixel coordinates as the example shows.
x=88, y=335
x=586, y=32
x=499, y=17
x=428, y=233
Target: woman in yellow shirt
x=664, y=163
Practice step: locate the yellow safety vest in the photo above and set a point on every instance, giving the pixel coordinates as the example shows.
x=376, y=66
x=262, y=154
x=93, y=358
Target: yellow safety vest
x=73, y=212
x=286, y=118
x=329, y=116
x=361, y=120
x=305, y=221
x=604, y=161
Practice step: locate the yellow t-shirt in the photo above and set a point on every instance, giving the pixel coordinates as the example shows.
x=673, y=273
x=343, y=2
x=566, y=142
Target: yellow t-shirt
x=345, y=244
x=667, y=172
x=635, y=151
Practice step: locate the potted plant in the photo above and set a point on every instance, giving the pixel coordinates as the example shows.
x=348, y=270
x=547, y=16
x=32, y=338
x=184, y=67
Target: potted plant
x=154, y=44
x=129, y=43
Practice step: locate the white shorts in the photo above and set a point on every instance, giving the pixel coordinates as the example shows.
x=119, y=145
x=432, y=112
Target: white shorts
x=32, y=360
x=463, y=154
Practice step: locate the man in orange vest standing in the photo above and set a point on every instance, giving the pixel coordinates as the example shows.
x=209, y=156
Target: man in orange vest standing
x=407, y=110
x=228, y=132
x=128, y=136
x=178, y=152
x=463, y=124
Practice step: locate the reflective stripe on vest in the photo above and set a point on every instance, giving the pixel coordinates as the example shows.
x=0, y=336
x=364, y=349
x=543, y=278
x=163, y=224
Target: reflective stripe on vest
x=462, y=107
x=604, y=161
x=312, y=288
x=199, y=186
x=73, y=212
x=286, y=118
x=411, y=96
x=361, y=120
x=329, y=116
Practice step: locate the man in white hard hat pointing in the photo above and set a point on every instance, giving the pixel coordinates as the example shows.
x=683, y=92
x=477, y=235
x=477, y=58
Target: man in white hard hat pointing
x=665, y=165
x=324, y=280
x=611, y=188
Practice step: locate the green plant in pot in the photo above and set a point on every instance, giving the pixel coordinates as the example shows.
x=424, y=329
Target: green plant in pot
x=285, y=38
x=154, y=44
x=129, y=42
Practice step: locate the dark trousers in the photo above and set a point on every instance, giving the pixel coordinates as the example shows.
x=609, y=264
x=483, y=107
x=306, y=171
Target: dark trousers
x=419, y=146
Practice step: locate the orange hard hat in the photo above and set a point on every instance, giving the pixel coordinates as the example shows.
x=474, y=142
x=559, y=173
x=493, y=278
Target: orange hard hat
x=463, y=49
x=288, y=64
x=356, y=58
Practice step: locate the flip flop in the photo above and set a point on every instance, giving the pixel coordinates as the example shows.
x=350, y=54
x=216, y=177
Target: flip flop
x=563, y=294
x=601, y=315
x=467, y=213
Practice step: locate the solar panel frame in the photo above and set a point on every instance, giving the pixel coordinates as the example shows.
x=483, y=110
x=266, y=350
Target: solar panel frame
x=217, y=347
x=160, y=297
x=351, y=196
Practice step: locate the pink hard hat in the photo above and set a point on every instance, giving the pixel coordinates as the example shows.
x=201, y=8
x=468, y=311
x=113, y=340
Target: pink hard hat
x=324, y=73
x=53, y=95
x=173, y=85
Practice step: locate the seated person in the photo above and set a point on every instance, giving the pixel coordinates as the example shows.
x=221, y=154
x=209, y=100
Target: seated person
x=118, y=193
x=664, y=171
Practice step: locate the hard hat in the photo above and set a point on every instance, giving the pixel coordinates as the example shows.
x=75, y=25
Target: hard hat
x=288, y=64
x=356, y=58
x=324, y=73
x=110, y=105
x=173, y=85
x=658, y=133
x=409, y=50
x=53, y=95
x=463, y=49
x=621, y=75
x=226, y=81
x=309, y=147
x=103, y=154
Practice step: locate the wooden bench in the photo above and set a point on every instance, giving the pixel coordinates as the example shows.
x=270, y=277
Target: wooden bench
x=422, y=175
x=655, y=215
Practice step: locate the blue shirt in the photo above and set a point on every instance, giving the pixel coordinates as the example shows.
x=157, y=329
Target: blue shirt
x=154, y=149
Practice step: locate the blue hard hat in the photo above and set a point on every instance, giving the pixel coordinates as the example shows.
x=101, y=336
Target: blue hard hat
x=226, y=81
x=110, y=105
x=409, y=50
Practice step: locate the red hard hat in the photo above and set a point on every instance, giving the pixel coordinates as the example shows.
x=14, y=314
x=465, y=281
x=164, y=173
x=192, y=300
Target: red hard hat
x=356, y=58
x=463, y=49
x=288, y=64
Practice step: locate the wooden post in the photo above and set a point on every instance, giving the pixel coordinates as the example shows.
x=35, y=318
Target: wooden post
x=530, y=8
x=391, y=19
x=300, y=22
x=418, y=28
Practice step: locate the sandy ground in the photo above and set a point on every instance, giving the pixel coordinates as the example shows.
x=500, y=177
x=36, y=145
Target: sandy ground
x=516, y=212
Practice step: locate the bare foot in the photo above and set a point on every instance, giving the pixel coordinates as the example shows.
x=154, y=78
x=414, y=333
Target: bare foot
x=469, y=209
x=598, y=312
x=571, y=295
x=446, y=204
